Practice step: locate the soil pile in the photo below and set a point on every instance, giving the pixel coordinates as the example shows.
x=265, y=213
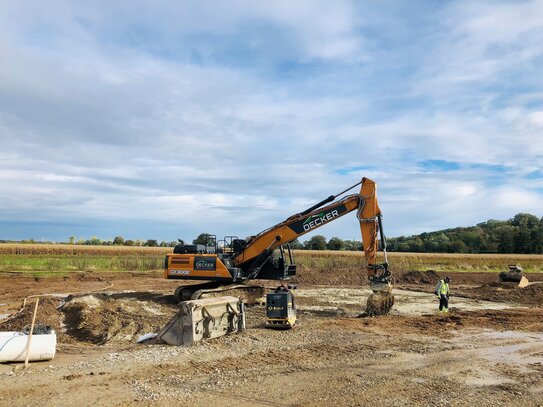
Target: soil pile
x=507, y=292
x=47, y=314
x=419, y=277
x=98, y=318
x=101, y=318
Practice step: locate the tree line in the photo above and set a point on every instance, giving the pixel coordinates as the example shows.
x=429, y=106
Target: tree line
x=521, y=234
x=120, y=241
x=317, y=242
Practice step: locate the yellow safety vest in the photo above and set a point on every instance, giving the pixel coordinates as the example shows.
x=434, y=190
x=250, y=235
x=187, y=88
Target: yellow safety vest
x=443, y=288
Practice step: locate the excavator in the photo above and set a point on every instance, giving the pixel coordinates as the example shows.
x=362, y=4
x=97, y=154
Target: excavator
x=229, y=264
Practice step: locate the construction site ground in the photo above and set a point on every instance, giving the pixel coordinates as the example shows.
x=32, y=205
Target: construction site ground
x=487, y=351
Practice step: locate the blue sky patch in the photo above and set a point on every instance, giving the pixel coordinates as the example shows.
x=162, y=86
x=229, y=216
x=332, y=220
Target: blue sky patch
x=439, y=165
x=350, y=170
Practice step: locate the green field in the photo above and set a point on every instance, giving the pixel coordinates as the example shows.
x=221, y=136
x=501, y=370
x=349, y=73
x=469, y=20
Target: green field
x=52, y=259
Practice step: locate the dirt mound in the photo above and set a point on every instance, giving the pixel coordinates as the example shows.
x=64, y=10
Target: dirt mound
x=98, y=318
x=507, y=292
x=47, y=314
x=419, y=277
x=101, y=318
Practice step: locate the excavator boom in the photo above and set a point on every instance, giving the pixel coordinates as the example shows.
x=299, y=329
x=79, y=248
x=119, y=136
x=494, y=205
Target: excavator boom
x=368, y=215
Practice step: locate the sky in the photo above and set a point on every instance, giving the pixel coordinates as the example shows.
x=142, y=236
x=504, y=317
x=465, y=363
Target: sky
x=166, y=119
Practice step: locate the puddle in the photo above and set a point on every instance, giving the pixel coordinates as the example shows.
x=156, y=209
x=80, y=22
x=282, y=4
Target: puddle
x=520, y=349
x=526, y=349
x=486, y=378
x=514, y=335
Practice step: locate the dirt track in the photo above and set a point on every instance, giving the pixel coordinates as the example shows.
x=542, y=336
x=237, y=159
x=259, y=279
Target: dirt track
x=483, y=353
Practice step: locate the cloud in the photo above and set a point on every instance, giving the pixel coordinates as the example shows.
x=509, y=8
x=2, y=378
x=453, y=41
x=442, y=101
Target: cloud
x=229, y=117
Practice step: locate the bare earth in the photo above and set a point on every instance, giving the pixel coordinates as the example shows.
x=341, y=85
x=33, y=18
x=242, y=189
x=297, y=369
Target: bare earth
x=488, y=351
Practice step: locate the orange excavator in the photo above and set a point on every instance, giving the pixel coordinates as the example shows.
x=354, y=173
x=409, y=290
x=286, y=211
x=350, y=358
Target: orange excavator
x=229, y=264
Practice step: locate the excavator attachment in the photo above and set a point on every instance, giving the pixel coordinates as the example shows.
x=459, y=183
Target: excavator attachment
x=204, y=319
x=380, y=302
x=514, y=275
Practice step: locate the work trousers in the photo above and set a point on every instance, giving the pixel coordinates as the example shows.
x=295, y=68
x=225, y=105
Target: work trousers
x=443, y=302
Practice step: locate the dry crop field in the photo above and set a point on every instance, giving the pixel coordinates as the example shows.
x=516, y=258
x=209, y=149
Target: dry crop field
x=64, y=258
x=424, y=261
x=80, y=250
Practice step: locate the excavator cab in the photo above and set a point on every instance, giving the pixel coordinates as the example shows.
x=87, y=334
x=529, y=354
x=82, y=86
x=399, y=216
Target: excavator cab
x=279, y=266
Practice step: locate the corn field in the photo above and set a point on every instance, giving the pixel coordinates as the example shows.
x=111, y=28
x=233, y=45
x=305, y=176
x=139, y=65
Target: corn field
x=328, y=259
x=65, y=258
x=81, y=250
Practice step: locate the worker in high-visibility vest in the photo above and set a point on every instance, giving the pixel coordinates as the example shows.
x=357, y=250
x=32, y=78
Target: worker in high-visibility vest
x=442, y=292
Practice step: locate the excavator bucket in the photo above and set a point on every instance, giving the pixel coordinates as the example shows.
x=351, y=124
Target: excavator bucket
x=514, y=275
x=380, y=302
x=204, y=319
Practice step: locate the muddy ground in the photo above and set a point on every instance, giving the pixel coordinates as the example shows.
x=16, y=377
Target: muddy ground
x=488, y=351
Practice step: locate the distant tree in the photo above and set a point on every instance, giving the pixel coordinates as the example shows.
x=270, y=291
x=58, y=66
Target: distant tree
x=119, y=240
x=151, y=243
x=203, y=238
x=317, y=242
x=416, y=245
x=335, y=243
x=93, y=241
x=296, y=245
x=353, y=245
x=526, y=238
x=129, y=242
x=521, y=234
x=71, y=240
x=458, y=246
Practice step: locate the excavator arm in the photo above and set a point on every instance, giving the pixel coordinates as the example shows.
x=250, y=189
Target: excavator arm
x=368, y=213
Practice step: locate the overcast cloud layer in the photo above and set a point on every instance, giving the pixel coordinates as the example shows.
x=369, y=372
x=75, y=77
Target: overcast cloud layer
x=167, y=119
